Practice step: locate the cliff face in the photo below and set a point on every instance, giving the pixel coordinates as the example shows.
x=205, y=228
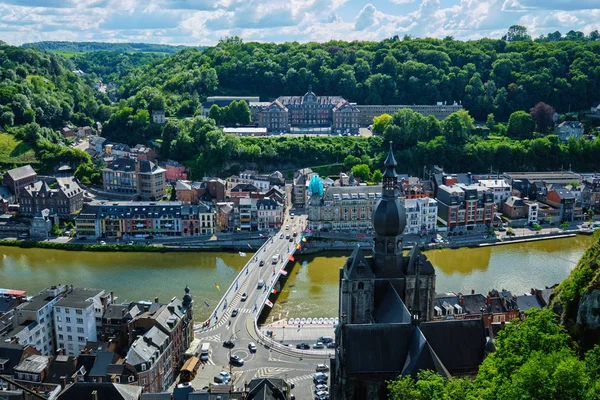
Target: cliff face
x=577, y=298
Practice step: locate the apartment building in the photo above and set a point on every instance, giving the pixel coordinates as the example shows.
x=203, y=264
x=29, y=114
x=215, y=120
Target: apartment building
x=421, y=216
x=500, y=188
x=130, y=177
x=78, y=317
x=465, y=206
x=61, y=196
x=32, y=322
x=150, y=357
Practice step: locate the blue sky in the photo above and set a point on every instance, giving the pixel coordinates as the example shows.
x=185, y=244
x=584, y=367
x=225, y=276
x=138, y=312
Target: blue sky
x=204, y=22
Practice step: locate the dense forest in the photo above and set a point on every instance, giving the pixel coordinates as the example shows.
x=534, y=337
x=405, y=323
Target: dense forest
x=553, y=353
x=111, y=66
x=485, y=75
x=77, y=47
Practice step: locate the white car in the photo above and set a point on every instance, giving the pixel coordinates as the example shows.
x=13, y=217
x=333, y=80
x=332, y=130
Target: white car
x=322, y=368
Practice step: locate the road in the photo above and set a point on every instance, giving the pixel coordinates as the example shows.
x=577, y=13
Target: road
x=268, y=361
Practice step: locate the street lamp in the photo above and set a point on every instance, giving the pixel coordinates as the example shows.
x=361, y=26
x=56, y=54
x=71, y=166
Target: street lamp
x=282, y=334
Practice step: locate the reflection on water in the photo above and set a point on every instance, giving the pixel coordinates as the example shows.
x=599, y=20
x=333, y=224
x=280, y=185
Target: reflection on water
x=311, y=289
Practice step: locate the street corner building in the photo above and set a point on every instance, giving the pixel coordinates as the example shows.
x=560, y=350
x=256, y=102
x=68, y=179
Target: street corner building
x=386, y=312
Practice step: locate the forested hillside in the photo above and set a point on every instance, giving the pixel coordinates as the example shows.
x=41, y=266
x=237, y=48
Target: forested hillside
x=486, y=75
x=111, y=66
x=39, y=95
x=78, y=47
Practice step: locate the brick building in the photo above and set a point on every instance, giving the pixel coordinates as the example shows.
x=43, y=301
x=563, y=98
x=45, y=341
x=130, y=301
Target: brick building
x=17, y=178
x=461, y=205
x=63, y=196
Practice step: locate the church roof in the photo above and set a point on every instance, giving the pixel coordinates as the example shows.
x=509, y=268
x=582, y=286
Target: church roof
x=415, y=255
x=421, y=356
x=357, y=267
x=389, y=307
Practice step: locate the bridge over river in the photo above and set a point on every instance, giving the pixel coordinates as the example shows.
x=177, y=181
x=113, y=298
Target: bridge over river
x=249, y=300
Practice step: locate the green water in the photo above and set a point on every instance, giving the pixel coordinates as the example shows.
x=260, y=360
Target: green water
x=311, y=289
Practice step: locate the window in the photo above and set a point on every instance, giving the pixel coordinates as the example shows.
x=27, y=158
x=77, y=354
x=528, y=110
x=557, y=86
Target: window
x=78, y=312
x=59, y=327
x=58, y=318
x=57, y=309
x=130, y=378
x=68, y=319
x=144, y=381
x=68, y=328
x=67, y=311
x=143, y=367
x=69, y=337
x=81, y=338
x=60, y=336
x=80, y=321
x=79, y=330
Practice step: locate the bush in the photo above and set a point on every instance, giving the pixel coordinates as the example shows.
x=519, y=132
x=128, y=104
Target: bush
x=536, y=227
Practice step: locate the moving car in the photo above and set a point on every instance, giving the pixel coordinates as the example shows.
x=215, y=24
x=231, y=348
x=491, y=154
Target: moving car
x=236, y=360
x=261, y=283
x=322, y=368
x=281, y=236
x=331, y=345
x=303, y=346
x=223, y=377
x=325, y=339
x=261, y=263
x=318, y=345
x=234, y=312
x=244, y=297
x=287, y=227
x=252, y=347
x=229, y=344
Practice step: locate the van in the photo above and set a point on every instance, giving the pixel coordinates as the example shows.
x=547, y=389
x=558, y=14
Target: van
x=275, y=259
x=204, y=351
x=261, y=283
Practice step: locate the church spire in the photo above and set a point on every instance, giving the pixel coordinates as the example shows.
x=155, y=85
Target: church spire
x=390, y=177
x=416, y=307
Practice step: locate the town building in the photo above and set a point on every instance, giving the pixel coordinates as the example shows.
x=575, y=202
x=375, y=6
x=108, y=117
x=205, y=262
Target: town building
x=522, y=183
x=378, y=338
x=84, y=131
x=61, y=196
x=517, y=208
x=499, y=187
x=243, y=191
x=561, y=199
x=421, y=216
x=135, y=178
x=465, y=206
x=31, y=323
x=590, y=194
x=569, y=129
x=18, y=178
x=341, y=208
x=41, y=224
x=197, y=220
x=415, y=188
x=150, y=357
x=299, y=186
x=10, y=299
x=158, y=116
x=440, y=111
x=143, y=153
x=310, y=111
x=78, y=317
x=174, y=171
x=269, y=214
x=103, y=390
x=228, y=216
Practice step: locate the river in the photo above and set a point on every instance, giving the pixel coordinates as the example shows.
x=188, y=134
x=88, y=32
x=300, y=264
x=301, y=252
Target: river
x=311, y=289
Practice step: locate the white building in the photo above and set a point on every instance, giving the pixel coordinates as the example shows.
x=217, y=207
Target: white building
x=532, y=216
x=269, y=214
x=158, y=116
x=421, y=216
x=32, y=322
x=78, y=317
x=500, y=188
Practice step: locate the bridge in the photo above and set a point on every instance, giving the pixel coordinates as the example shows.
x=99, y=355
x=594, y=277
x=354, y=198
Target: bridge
x=272, y=358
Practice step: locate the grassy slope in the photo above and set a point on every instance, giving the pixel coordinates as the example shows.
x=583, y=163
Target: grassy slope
x=15, y=151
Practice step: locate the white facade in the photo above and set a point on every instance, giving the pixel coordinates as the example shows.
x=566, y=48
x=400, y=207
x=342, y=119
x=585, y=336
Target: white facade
x=77, y=318
x=421, y=216
x=500, y=188
x=532, y=217
x=40, y=332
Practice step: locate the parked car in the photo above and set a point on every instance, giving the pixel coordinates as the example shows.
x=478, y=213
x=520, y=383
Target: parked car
x=322, y=396
x=325, y=339
x=234, y=312
x=291, y=240
x=252, y=347
x=223, y=377
x=331, y=345
x=318, y=345
x=321, y=387
x=320, y=377
x=236, y=360
x=102, y=242
x=303, y=346
x=322, y=368
x=281, y=236
x=229, y=344
x=244, y=297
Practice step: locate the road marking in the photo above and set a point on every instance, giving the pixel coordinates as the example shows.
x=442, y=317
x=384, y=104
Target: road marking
x=267, y=372
x=213, y=338
x=297, y=379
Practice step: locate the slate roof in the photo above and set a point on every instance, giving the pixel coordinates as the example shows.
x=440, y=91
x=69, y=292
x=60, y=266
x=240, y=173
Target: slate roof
x=421, y=357
x=267, y=389
x=123, y=164
x=357, y=267
x=514, y=201
x=78, y=298
x=33, y=364
x=11, y=355
x=244, y=187
x=527, y=302
x=115, y=311
x=414, y=256
x=146, y=346
x=389, y=307
x=61, y=366
x=21, y=172
x=105, y=390
x=103, y=360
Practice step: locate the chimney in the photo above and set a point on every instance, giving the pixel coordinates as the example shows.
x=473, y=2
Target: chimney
x=488, y=300
x=156, y=299
x=462, y=301
x=472, y=291
x=95, y=395
x=63, y=381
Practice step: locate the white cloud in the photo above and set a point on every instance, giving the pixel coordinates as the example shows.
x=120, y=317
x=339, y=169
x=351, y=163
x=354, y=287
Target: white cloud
x=204, y=22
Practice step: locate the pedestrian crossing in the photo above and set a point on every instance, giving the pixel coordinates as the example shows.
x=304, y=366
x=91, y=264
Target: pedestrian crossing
x=300, y=378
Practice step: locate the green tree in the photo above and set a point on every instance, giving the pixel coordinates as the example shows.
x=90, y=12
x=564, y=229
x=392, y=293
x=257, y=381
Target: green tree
x=516, y=33
x=55, y=231
x=380, y=123
x=520, y=125
x=362, y=172
x=490, y=122
x=377, y=176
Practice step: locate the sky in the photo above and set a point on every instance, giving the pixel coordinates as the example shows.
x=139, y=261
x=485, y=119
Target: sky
x=204, y=22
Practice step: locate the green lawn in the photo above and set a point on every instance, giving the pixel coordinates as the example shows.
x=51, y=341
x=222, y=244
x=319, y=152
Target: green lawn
x=13, y=150
x=65, y=53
